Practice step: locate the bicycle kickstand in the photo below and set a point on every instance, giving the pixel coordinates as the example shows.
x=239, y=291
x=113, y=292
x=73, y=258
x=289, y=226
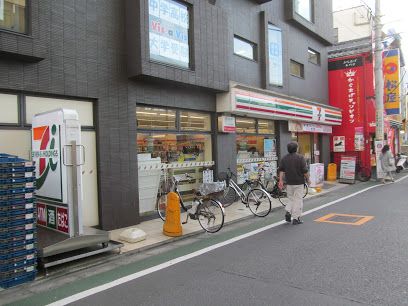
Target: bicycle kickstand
x=185, y=222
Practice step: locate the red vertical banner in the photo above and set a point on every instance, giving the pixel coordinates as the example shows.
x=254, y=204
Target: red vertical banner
x=346, y=91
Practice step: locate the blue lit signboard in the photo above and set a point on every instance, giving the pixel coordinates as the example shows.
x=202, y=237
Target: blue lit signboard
x=168, y=32
x=275, y=55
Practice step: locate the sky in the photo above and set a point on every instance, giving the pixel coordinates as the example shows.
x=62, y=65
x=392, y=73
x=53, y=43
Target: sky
x=395, y=15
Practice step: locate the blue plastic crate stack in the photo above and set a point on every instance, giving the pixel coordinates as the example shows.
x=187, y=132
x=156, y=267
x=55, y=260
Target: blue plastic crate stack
x=18, y=235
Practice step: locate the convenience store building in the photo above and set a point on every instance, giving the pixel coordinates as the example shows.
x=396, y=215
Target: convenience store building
x=165, y=77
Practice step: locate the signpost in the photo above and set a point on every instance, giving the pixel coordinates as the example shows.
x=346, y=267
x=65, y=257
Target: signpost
x=347, y=169
x=55, y=138
x=316, y=175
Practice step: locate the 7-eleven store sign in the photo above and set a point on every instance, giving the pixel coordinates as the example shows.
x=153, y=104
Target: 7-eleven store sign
x=52, y=133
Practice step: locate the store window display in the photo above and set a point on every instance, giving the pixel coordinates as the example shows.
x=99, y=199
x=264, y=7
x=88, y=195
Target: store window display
x=177, y=137
x=256, y=145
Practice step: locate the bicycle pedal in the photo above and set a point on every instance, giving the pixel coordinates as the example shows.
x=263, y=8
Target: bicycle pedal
x=192, y=216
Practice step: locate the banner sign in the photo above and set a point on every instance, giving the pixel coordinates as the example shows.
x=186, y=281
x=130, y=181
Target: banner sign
x=227, y=124
x=169, y=32
x=46, y=152
x=316, y=175
x=53, y=217
x=378, y=147
x=275, y=55
x=346, y=78
x=391, y=81
x=309, y=127
x=339, y=144
x=359, y=139
x=348, y=168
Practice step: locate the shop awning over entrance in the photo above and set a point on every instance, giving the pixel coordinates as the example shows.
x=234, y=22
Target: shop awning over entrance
x=243, y=100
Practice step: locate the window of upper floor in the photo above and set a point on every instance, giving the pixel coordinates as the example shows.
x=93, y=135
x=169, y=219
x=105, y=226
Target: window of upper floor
x=245, y=48
x=297, y=69
x=313, y=56
x=169, y=32
x=13, y=15
x=275, y=56
x=304, y=8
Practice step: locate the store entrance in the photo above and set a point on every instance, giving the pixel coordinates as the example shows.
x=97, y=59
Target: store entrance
x=309, y=146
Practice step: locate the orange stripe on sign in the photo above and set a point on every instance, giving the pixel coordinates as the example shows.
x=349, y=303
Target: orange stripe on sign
x=38, y=132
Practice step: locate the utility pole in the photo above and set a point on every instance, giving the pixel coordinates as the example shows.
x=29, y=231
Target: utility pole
x=378, y=74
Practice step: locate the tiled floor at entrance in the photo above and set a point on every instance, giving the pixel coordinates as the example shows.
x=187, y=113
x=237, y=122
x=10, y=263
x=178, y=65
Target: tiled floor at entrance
x=234, y=213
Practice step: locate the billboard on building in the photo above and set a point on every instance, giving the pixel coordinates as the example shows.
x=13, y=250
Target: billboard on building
x=346, y=89
x=391, y=69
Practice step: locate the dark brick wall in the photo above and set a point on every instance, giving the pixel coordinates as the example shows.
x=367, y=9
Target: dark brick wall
x=209, y=46
x=84, y=47
x=248, y=20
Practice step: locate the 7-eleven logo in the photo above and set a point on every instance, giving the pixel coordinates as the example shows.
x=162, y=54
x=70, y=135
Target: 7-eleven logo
x=45, y=151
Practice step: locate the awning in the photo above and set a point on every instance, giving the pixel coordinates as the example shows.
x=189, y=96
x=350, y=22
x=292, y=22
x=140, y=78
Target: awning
x=242, y=100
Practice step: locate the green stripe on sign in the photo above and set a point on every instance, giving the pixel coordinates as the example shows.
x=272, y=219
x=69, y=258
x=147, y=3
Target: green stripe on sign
x=275, y=106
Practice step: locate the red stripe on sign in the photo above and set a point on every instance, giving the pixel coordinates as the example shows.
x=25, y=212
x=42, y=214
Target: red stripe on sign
x=271, y=111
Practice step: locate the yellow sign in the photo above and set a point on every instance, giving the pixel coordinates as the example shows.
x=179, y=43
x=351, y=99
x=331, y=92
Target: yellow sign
x=391, y=82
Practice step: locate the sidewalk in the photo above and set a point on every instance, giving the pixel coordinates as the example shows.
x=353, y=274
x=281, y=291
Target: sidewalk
x=233, y=213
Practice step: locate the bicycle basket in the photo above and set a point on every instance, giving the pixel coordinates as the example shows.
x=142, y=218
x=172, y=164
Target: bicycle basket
x=223, y=176
x=213, y=188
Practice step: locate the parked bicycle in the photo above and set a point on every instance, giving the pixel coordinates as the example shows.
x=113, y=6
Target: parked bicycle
x=256, y=199
x=270, y=184
x=207, y=211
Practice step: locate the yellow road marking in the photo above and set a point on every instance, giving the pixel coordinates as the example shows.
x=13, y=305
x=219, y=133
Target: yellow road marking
x=362, y=220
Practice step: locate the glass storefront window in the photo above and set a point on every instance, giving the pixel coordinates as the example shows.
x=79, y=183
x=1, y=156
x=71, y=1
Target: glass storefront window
x=192, y=121
x=266, y=126
x=155, y=118
x=245, y=125
x=13, y=14
x=176, y=147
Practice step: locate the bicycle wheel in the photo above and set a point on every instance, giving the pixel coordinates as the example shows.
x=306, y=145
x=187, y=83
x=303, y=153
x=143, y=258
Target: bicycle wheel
x=363, y=174
x=210, y=214
x=283, y=196
x=161, y=206
x=229, y=196
x=305, y=190
x=259, y=202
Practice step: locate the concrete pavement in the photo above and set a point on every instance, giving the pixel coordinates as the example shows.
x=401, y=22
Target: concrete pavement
x=153, y=256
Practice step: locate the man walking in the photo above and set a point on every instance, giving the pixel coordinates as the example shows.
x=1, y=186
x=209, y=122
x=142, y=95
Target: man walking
x=294, y=169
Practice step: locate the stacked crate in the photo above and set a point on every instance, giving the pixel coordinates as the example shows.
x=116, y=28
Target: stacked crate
x=17, y=221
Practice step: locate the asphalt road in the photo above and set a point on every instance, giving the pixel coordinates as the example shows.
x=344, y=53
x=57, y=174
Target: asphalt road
x=315, y=263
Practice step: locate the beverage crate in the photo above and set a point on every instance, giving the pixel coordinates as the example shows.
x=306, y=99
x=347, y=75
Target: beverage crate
x=17, y=180
x=17, y=230
x=7, y=246
x=17, y=265
x=6, y=223
x=18, y=251
x=14, y=163
x=16, y=191
x=17, y=185
x=22, y=237
x=23, y=204
x=9, y=198
x=8, y=175
x=17, y=280
x=15, y=214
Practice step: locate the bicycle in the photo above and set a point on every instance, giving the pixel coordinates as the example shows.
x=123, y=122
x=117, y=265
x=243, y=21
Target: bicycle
x=256, y=199
x=363, y=174
x=275, y=191
x=209, y=212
